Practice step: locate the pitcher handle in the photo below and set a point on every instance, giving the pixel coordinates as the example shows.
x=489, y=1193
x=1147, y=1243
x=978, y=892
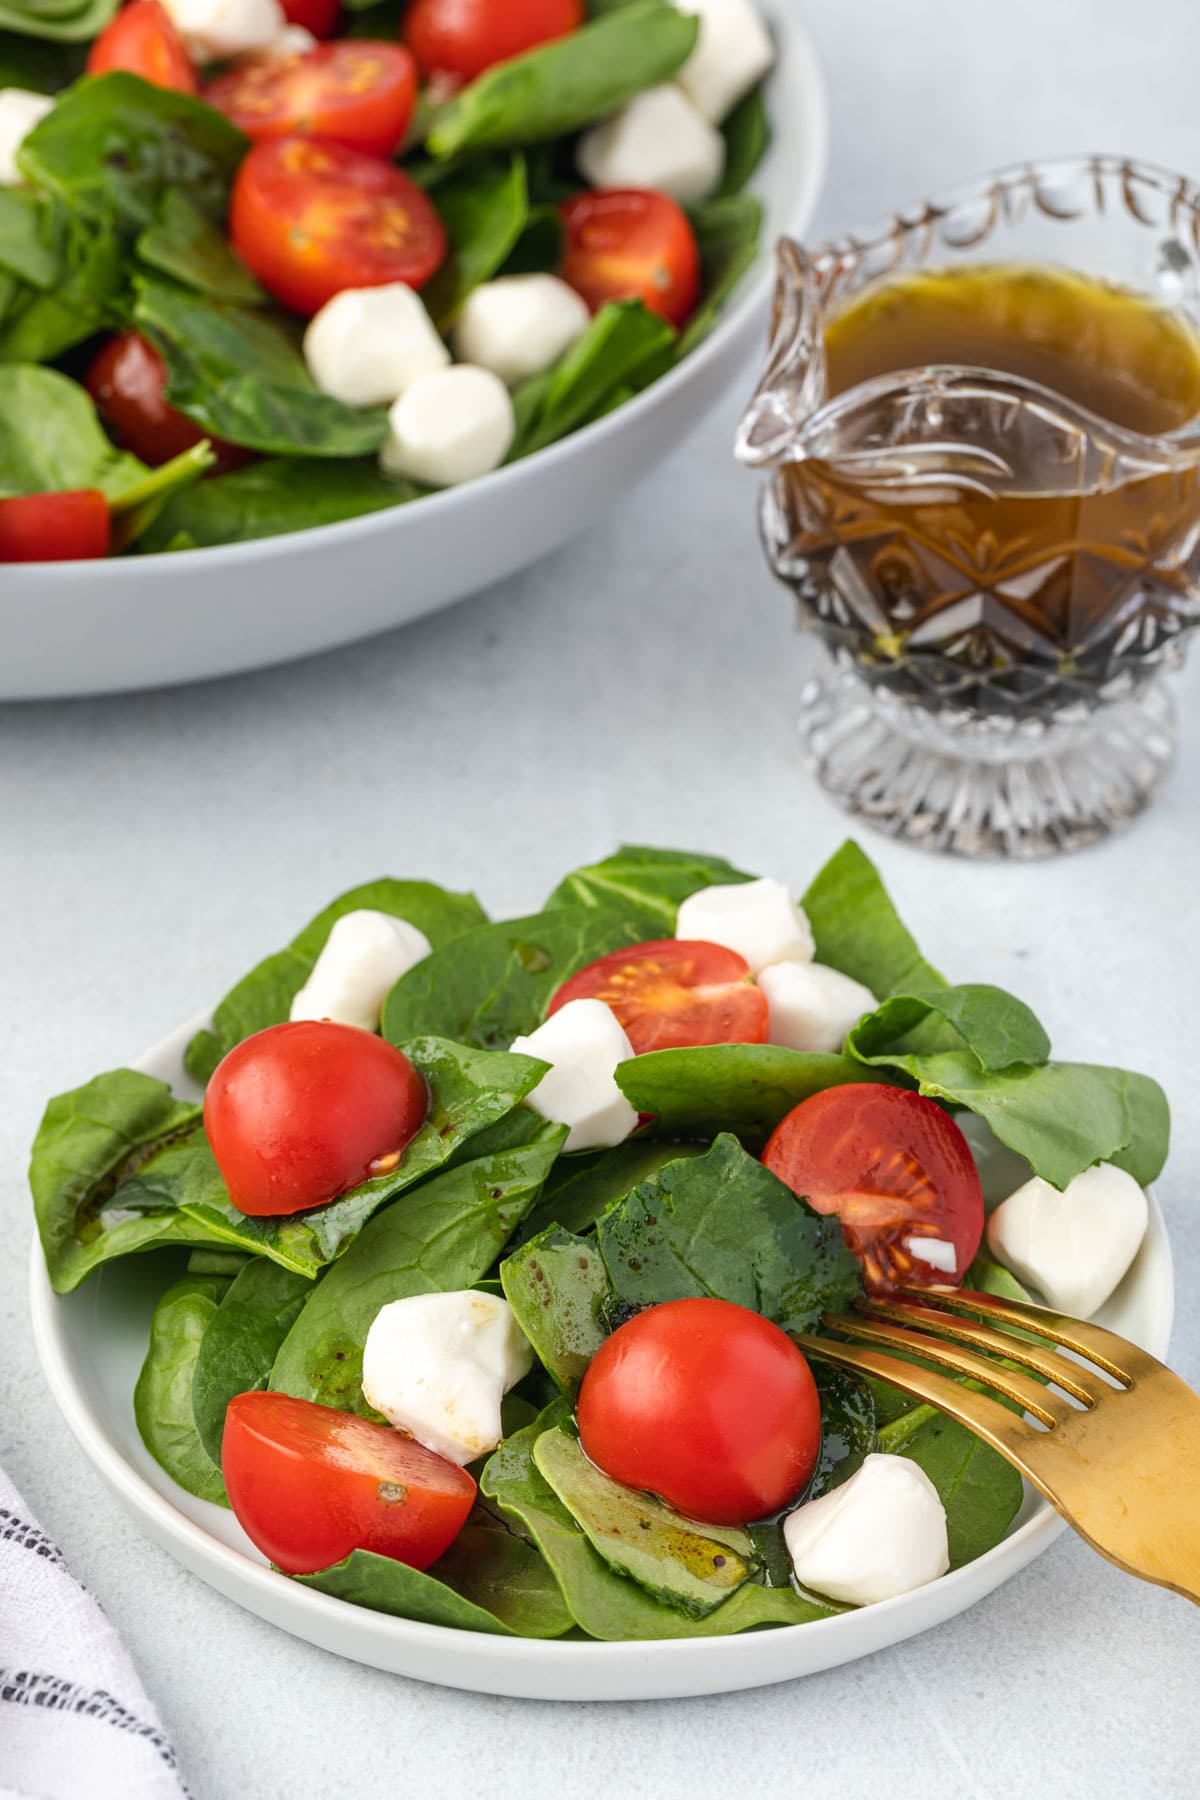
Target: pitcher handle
x=793, y=385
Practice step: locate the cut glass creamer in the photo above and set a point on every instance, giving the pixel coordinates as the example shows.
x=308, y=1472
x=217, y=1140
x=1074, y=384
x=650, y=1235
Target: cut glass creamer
x=1000, y=553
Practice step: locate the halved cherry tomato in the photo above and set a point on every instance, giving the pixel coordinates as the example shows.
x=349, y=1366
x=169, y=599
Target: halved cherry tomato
x=898, y=1173
x=674, y=992
x=462, y=38
x=631, y=244
x=310, y=1484
x=706, y=1404
x=67, y=527
x=354, y=92
x=143, y=40
x=310, y=219
x=298, y=1113
x=317, y=16
x=128, y=381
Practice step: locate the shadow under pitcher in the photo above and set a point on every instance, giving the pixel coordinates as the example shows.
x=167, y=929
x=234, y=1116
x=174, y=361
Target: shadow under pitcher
x=982, y=425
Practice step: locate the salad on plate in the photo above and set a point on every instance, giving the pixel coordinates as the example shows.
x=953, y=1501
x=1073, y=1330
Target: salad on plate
x=484, y=1246
x=270, y=264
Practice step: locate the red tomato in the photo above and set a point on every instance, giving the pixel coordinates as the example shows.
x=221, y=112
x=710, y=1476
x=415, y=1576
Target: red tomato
x=894, y=1167
x=298, y=1113
x=356, y=93
x=143, y=41
x=310, y=219
x=706, y=1404
x=318, y=16
x=461, y=38
x=128, y=381
x=674, y=992
x=310, y=1484
x=68, y=527
x=631, y=244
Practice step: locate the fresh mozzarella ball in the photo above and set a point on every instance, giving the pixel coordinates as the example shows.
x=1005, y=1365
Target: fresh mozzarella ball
x=658, y=140
x=451, y=426
x=366, y=346
x=520, y=325
x=438, y=1366
x=293, y=40
x=758, y=919
x=215, y=30
x=880, y=1534
x=1072, y=1246
x=364, y=957
x=812, y=1007
x=733, y=51
x=20, y=111
x=583, y=1043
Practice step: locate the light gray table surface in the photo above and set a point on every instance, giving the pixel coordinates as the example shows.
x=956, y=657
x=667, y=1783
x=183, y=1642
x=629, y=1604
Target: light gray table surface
x=640, y=685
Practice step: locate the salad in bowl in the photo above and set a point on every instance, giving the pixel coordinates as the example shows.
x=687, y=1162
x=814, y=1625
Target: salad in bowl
x=272, y=264
x=483, y=1248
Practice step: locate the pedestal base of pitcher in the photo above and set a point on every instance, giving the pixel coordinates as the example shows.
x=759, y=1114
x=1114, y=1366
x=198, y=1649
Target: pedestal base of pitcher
x=1029, y=795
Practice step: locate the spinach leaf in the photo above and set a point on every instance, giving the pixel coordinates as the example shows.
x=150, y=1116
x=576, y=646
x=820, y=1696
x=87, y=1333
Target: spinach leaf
x=241, y=1341
x=999, y=1030
x=980, y=1491
x=747, y=134
x=848, y=1436
x=728, y=232
x=691, y=1567
x=569, y=83
x=646, y=880
x=162, y=1399
x=184, y=241
x=723, y=1225
x=988, y=1277
x=1061, y=1117
x=114, y=144
x=136, y=508
x=492, y=985
x=623, y=340
x=443, y=1236
x=557, y=1286
x=484, y=207
x=239, y=374
x=469, y=1090
x=41, y=65
x=858, y=930
x=539, y=248
x=743, y=1088
x=219, y=1262
x=73, y=21
x=73, y=274
x=25, y=231
x=88, y=1145
x=50, y=438
x=276, y=496
x=604, y=1604
x=489, y=1580
x=264, y=996
x=581, y=1187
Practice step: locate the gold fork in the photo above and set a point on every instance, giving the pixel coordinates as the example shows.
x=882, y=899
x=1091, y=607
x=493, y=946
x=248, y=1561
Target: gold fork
x=1121, y=1464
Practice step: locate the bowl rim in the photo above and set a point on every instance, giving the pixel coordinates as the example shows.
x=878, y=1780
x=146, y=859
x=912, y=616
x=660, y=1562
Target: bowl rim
x=200, y=1549
x=804, y=85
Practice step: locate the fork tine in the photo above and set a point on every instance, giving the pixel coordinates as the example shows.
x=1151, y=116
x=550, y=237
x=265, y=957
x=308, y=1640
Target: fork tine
x=1115, y=1355
x=1030, y=1395
x=1052, y=1367
x=1005, y=1431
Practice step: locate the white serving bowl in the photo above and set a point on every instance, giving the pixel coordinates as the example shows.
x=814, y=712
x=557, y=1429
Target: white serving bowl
x=94, y=628
x=91, y=1344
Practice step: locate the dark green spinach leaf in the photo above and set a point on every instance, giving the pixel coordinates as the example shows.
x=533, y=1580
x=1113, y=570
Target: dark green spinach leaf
x=162, y=1399
x=743, y=1088
x=275, y=496
x=728, y=231
x=484, y=207
x=185, y=242
x=241, y=1341
x=557, y=1285
x=638, y=878
x=747, y=134
x=566, y=84
x=858, y=930
x=999, y=1030
x=622, y=342
x=581, y=1187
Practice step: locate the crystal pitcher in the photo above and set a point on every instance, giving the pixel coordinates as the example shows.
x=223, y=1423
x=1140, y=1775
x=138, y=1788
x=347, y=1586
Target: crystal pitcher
x=994, y=691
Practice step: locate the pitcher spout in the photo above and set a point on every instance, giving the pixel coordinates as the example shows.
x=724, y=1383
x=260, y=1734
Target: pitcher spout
x=793, y=385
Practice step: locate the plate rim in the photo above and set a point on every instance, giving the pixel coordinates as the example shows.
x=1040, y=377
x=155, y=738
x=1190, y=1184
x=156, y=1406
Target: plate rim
x=881, y=1625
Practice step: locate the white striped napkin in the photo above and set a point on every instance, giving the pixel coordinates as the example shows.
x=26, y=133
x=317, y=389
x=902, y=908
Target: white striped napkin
x=74, y=1718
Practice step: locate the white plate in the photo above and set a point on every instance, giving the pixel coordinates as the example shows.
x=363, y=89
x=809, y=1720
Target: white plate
x=93, y=628
x=91, y=1344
